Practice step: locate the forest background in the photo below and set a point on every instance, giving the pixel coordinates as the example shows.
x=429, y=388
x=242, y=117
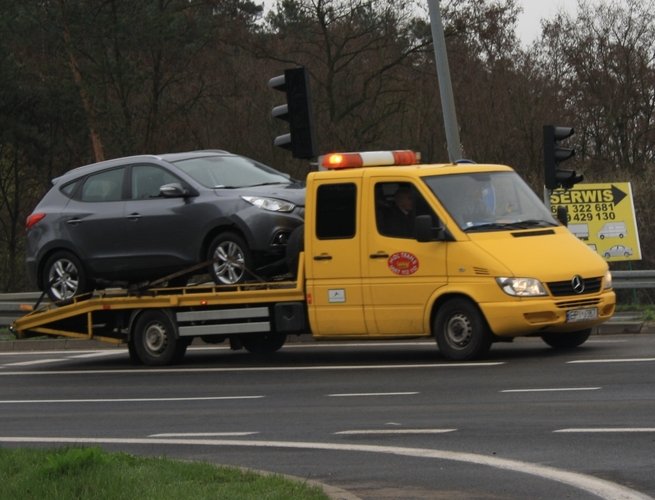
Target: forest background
x=86, y=80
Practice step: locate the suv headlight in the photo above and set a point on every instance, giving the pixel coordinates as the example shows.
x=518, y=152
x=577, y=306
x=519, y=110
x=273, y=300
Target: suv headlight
x=270, y=204
x=522, y=287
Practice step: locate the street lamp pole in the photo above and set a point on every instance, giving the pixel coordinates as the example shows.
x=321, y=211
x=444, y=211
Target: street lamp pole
x=445, y=87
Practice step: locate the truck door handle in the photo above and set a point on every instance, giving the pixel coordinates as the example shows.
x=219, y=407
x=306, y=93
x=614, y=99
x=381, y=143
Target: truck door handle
x=323, y=256
x=379, y=255
x=134, y=217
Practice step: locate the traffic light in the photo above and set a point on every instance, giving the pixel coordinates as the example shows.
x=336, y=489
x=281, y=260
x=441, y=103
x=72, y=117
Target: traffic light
x=300, y=140
x=554, y=154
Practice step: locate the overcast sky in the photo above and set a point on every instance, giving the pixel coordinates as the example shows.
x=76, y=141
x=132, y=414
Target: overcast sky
x=529, y=25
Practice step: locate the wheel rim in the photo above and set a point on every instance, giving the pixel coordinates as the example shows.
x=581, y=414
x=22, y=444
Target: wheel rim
x=459, y=331
x=229, y=262
x=63, y=279
x=155, y=339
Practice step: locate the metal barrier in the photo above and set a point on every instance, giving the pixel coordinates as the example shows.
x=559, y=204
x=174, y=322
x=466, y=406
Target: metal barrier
x=14, y=305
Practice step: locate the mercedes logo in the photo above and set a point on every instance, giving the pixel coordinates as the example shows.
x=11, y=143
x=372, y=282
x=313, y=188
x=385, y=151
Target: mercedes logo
x=577, y=283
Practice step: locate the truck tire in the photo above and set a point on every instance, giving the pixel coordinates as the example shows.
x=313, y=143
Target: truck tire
x=232, y=259
x=461, y=331
x=566, y=340
x=64, y=277
x=155, y=339
x=263, y=343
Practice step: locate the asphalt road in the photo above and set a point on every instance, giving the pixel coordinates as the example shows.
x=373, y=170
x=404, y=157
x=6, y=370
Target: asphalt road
x=381, y=420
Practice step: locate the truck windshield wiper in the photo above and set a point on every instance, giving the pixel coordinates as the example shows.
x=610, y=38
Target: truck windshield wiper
x=519, y=224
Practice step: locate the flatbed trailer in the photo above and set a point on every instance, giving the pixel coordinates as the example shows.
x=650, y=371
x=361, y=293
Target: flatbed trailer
x=158, y=324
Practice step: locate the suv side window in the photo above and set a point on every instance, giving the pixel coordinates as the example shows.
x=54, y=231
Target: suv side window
x=148, y=179
x=336, y=207
x=103, y=186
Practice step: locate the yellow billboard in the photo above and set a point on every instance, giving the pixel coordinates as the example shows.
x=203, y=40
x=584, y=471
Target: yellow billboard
x=603, y=216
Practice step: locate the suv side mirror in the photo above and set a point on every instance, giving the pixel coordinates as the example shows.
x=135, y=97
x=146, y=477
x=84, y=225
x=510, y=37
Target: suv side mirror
x=426, y=231
x=175, y=190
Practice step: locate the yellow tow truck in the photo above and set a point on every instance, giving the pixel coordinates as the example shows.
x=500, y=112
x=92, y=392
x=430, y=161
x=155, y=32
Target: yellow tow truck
x=390, y=249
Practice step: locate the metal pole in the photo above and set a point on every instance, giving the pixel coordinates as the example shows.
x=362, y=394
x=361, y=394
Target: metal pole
x=445, y=87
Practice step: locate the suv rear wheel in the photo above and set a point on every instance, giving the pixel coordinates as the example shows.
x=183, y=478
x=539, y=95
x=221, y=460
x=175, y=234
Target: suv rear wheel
x=64, y=277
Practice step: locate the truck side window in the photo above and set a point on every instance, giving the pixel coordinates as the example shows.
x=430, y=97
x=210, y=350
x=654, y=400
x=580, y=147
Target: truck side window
x=396, y=206
x=336, y=209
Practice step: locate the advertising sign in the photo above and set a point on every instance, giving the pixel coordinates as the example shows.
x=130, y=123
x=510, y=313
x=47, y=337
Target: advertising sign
x=603, y=216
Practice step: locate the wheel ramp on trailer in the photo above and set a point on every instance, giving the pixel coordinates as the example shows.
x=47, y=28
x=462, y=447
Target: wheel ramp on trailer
x=86, y=317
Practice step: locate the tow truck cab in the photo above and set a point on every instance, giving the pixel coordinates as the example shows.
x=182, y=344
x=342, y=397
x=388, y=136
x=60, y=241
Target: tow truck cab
x=477, y=258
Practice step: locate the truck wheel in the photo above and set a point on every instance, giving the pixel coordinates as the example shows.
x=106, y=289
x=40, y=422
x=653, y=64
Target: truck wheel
x=64, y=277
x=461, y=331
x=566, y=340
x=232, y=259
x=263, y=343
x=154, y=338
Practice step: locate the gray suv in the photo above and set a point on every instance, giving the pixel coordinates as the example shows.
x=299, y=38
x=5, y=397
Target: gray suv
x=141, y=218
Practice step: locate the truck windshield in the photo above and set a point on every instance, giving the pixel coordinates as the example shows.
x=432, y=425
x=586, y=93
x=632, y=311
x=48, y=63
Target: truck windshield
x=490, y=201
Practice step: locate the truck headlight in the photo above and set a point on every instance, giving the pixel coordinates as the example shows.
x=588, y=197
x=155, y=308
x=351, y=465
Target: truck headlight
x=607, y=280
x=522, y=287
x=270, y=204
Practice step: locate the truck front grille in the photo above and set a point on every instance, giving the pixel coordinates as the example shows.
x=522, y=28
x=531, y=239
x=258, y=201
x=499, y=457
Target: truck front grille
x=562, y=288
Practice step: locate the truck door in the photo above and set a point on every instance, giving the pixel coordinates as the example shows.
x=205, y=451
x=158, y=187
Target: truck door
x=400, y=274
x=333, y=265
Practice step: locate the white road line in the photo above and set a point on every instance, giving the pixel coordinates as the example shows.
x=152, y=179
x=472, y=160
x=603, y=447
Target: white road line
x=393, y=431
x=202, y=434
x=366, y=394
x=554, y=389
x=593, y=485
x=624, y=360
x=34, y=362
x=122, y=400
x=86, y=373
x=607, y=429
x=98, y=354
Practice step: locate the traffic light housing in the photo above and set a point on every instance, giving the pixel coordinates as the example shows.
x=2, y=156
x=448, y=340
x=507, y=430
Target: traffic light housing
x=554, y=154
x=297, y=112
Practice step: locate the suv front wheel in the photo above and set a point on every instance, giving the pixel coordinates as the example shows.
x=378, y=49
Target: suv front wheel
x=232, y=259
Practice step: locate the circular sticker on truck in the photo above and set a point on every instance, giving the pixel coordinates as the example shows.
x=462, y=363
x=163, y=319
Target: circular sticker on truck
x=403, y=263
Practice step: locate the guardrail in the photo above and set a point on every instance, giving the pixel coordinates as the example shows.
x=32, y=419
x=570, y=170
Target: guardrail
x=14, y=305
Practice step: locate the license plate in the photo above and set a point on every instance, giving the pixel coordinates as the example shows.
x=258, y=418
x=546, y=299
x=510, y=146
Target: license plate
x=581, y=314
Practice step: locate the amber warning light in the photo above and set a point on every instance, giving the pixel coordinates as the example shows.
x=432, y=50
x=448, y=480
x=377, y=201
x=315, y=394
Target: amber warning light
x=370, y=159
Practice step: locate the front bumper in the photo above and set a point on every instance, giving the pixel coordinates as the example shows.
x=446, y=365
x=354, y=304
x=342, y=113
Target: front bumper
x=544, y=315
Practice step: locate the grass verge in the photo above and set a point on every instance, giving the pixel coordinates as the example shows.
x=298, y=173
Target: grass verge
x=91, y=473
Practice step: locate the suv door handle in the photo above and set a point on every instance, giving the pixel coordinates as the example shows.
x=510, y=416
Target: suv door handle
x=379, y=255
x=323, y=256
x=74, y=222
x=134, y=217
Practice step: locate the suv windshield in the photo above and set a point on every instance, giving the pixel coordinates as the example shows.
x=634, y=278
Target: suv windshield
x=490, y=201
x=230, y=172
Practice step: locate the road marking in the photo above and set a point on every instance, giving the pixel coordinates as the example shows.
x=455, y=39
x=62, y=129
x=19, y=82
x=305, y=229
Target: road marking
x=98, y=354
x=365, y=394
x=122, y=400
x=393, y=431
x=608, y=429
x=147, y=370
x=593, y=485
x=624, y=360
x=554, y=389
x=202, y=434
x=34, y=362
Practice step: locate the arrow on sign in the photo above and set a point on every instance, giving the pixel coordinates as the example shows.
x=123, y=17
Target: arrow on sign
x=617, y=195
